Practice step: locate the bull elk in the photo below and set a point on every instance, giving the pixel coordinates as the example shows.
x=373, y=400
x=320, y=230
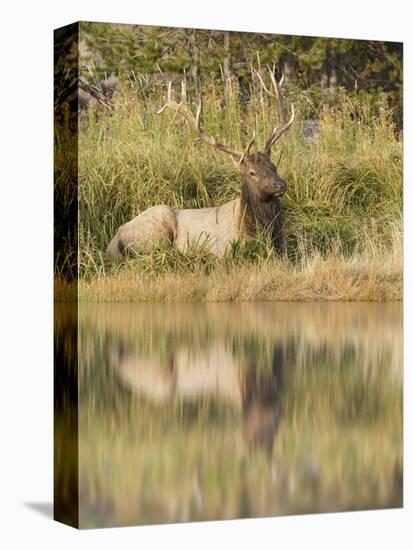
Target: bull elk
x=258, y=208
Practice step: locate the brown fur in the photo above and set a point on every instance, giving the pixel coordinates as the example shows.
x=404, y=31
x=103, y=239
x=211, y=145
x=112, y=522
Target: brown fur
x=262, y=216
x=260, y=208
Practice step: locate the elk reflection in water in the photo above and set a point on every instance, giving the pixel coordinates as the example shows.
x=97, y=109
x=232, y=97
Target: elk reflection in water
x=203, y=412
x=215, y=373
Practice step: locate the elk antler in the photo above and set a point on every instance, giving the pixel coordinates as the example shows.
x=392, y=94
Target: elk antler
x=277, y=94
x=194, y=121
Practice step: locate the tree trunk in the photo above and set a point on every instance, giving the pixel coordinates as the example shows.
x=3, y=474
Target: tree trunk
x=328, y=77
x=333, y=73
x=288, y=67
x=227, y=65
x=184, y=97
x=324, y=80
x=195, y=62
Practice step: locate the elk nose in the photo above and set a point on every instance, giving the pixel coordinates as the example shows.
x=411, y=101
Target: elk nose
x=281, y=186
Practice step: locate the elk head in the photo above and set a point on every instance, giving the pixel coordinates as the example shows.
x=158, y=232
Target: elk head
x=260, y=174
x=258, y=171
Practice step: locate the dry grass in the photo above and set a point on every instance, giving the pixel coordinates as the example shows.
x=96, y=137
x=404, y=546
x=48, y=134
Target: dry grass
x=360, y=277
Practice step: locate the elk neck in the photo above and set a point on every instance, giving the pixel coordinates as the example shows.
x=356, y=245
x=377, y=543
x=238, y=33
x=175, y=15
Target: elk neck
x=257, y=214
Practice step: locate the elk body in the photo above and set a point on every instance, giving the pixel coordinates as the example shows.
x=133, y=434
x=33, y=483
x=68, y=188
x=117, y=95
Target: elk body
x=189, y=375
x=258, y=208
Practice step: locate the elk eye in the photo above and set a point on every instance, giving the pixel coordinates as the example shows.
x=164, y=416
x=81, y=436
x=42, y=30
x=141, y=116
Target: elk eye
x=252, y=173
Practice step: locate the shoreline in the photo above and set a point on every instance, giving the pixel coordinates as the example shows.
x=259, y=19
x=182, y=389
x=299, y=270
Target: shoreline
x=330, y=279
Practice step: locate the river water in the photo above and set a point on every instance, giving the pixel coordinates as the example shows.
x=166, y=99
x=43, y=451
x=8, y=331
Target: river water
x=215, y=411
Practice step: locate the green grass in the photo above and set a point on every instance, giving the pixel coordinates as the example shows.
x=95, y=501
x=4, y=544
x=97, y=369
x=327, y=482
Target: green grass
x=344, y=199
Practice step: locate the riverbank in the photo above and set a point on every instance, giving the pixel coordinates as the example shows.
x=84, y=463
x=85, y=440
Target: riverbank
x=361, y=277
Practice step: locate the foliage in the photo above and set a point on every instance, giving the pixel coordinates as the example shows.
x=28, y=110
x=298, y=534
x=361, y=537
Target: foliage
x=133, y=50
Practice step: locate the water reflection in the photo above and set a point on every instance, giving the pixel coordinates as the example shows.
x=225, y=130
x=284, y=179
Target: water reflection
x=193, y=412
x=213, y=372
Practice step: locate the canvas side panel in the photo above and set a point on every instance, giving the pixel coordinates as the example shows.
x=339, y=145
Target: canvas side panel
x=66, y=455
x=66, y=460
x=66, y=63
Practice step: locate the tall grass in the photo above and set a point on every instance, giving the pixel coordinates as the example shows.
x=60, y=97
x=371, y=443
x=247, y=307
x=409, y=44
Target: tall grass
x=344, y=199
